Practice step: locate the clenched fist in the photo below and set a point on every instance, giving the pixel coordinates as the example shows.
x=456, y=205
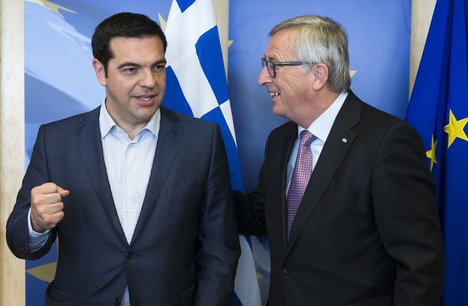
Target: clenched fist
x=47, y=206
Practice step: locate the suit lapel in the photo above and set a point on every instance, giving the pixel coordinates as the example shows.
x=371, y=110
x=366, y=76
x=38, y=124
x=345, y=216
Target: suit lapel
x=169, y=141
x=338, y=142
x=90, y=144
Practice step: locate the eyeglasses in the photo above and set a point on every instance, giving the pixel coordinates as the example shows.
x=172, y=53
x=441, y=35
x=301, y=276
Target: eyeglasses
x=271, y=66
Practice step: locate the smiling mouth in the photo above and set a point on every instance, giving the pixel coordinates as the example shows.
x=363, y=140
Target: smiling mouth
x=274, y=94
x=145, y=98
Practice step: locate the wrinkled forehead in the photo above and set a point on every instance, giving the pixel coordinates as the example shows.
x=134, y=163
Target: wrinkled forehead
x=282, y=45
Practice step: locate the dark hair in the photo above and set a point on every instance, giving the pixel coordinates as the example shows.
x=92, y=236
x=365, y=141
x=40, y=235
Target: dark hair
x=122, y=25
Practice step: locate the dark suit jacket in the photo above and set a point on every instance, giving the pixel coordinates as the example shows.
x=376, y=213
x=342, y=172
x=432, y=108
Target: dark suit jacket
x=367, y=230
x=185, y=247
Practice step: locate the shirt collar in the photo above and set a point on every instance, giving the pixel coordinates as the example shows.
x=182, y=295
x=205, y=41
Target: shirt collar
x=321, y=127
x=106, y=123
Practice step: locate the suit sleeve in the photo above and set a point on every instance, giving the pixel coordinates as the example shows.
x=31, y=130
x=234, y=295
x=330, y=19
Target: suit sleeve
x=406, y=215
x=17, y=231
x=250, y=210
x=250, y=207
x=218, y=247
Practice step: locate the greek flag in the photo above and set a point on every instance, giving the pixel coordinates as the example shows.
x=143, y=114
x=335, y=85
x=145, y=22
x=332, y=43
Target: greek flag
x=196, y=85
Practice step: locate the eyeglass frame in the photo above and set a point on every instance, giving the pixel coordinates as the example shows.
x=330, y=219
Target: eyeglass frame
x=267, y=63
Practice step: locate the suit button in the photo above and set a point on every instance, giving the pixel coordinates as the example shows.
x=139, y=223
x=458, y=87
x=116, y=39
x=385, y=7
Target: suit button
x=286, y=269
x=130, y=255
x=118, y=300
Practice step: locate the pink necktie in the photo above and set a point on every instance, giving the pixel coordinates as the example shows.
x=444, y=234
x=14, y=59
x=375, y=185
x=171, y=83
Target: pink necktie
x=300, y=177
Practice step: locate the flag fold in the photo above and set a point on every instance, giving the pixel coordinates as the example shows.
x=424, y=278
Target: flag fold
x=438, y=109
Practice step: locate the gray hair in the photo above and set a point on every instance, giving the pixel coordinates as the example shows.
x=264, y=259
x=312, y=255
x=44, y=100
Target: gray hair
x=321, y=40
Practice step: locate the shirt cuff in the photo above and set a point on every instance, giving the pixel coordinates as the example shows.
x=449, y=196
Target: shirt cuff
x=36, y=240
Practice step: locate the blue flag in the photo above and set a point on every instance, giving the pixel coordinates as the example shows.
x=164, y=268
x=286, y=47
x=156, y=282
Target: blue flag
x=196, y=85
x=439, y=111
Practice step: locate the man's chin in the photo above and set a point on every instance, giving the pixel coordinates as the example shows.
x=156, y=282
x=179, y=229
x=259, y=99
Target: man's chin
x=278, y=111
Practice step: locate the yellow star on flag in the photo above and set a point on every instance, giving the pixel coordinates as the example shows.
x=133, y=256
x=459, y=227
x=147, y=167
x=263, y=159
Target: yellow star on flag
x=162, y=22
x=431, y=154
x=51, y=6
x=44, y=272
x=454, y=129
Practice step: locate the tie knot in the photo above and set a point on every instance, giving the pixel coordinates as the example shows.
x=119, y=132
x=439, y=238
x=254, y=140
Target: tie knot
x=306, y=138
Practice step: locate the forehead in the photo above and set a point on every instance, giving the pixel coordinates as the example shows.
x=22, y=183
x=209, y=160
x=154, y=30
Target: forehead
x=137, y=47
x=282, y=45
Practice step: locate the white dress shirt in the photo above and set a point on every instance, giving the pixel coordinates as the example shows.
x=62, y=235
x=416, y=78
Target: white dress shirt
x=128, y=164
x=320, y=128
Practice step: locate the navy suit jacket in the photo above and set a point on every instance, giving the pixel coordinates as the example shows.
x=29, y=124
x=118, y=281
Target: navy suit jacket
x=367, y=230
x=185, y=247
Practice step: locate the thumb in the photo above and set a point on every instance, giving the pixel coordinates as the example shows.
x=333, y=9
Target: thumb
x=63, y=192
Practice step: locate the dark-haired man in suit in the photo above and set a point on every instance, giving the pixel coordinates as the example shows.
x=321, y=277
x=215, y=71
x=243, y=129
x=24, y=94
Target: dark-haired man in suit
x=138, y=195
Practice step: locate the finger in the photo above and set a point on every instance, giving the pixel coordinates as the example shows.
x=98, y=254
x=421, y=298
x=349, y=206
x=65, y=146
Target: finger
x=49, y=187
x=64, y=193
x=46, y=216
x=54, y=208
x=47, y=199
x=50, y=209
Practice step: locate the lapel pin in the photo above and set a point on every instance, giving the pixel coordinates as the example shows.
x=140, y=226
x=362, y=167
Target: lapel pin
x=344, y=140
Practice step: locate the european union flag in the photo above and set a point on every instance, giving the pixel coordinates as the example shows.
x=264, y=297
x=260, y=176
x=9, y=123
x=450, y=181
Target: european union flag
x=439, y=111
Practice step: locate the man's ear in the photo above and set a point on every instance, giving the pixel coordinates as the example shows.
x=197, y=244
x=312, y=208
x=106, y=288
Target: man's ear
x=100, y=72
x=319, y=76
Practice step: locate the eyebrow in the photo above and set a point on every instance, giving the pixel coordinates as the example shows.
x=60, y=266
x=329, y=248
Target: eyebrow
x=271, y=58
x=132, y=64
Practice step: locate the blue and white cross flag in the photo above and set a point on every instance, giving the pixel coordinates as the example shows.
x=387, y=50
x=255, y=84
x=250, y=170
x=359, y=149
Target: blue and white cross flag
x=196, y=85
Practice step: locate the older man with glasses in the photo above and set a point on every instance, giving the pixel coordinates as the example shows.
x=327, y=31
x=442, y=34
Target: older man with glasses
x=344, y=193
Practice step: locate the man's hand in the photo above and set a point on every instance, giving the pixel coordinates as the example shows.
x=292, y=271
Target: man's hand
x=47, y=206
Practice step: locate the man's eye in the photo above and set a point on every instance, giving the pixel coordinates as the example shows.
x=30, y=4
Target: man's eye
x=159, y=68
x=130, y=70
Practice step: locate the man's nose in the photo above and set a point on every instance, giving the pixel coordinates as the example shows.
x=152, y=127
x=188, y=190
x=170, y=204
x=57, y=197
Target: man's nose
x=263, y=77
x=148, y=78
